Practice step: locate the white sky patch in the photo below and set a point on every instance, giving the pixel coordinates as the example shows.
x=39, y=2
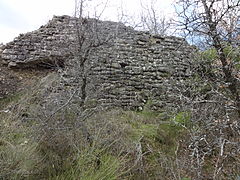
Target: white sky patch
x=21, y=16
x=8, y=34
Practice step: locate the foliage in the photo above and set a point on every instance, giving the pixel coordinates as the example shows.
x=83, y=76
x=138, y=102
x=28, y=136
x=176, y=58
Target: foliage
x=210, y=55
x=231, y=52
x=113, y=144
x=117, y=144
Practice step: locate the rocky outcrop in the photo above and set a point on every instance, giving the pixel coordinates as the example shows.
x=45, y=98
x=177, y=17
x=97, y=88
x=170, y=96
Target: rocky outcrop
x=131, y=69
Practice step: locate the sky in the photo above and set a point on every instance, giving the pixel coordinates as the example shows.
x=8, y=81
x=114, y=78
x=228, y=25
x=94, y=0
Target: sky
x=21, y=16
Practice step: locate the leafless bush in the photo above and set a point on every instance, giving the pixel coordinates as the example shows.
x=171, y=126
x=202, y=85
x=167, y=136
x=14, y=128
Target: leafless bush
x=213, y=140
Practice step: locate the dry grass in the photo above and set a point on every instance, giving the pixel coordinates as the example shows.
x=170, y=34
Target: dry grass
x=113, y=144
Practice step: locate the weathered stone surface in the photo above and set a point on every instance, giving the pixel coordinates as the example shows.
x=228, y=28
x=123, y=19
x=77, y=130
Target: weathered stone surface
x=131, y=69
x=1, y=50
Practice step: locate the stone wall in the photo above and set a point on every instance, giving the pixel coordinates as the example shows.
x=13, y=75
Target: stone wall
x=139, y=70
x=131, y=69
x=53, y=43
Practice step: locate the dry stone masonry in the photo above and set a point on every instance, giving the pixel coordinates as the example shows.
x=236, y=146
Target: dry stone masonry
x=133, y=68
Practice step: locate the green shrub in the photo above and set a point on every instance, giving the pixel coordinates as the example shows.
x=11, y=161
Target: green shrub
x=232, y=53
x=209, y=55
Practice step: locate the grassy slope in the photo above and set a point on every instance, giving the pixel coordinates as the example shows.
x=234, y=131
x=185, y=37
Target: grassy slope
x=124, y=145
x=113, y=144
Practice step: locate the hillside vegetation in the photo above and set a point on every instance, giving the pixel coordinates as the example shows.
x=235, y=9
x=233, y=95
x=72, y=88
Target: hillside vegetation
x=192, y=141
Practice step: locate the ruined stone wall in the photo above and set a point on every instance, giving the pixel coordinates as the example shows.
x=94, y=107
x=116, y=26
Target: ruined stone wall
x=131, y=69
x=51, y=44
x=139, y=69
x=41, y=47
